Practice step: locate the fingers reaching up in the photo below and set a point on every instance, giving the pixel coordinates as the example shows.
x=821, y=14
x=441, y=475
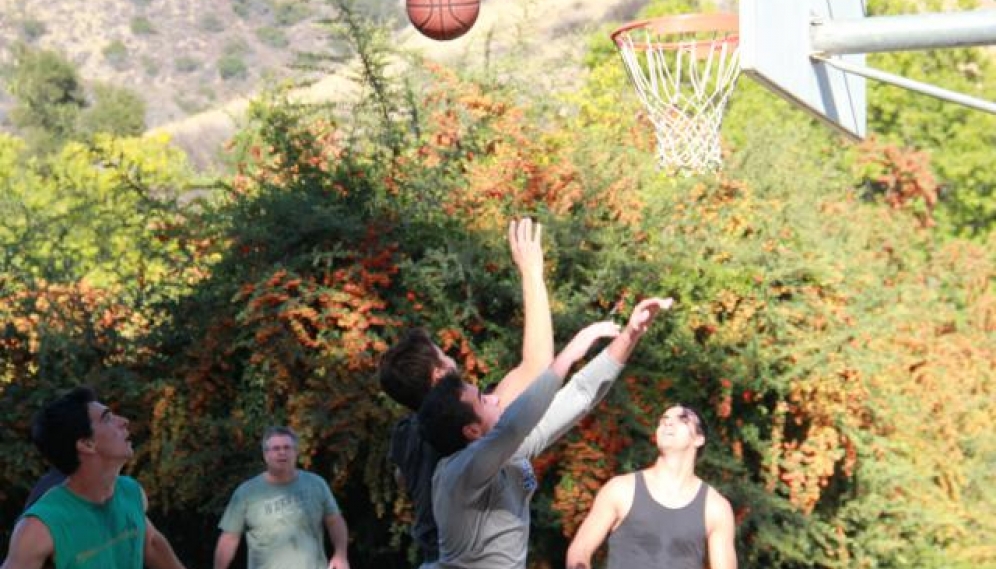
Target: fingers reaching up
x=525, y=239
x=645, y=312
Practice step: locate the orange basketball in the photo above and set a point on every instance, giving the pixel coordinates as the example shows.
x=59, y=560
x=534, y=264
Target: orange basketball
x=443, y=19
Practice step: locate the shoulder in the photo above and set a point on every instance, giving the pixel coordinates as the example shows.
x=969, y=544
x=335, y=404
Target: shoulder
x=409, y=421
x=717, y=508
x=31, y=539
x=249, y=485
x=406, y=438
x=129, y=484
x=308, y=477
x=406, y=430
x=619, y=489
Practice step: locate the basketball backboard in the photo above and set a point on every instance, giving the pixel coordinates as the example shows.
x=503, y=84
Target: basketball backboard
x=775, y=48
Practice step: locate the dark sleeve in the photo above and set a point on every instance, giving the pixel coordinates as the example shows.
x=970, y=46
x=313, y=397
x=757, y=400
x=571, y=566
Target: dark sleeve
x=51, y=478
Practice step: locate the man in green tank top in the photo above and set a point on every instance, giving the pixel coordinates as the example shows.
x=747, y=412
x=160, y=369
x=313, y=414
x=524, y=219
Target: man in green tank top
x=96, y=518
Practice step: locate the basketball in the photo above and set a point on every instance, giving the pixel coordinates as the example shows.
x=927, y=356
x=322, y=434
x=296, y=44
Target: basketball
x=443, y=19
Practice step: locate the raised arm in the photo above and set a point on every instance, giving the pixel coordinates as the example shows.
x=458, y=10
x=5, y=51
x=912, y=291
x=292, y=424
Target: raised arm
x=639, y=321
x=525, y=242
x=580, y=344
x=588, y=386
x=486, y=456
x=606, y=513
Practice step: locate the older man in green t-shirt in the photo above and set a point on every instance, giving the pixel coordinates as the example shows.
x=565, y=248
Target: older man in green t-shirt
x=282, y=512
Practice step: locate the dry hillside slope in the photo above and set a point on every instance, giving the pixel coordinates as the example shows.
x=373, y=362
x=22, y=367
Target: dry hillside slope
x=552, y=32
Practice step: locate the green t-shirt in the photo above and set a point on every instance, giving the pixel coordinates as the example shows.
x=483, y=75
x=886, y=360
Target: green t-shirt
x=283, y=523
x=95, y=536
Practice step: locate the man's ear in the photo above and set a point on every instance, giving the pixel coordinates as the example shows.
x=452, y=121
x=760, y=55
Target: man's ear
x=472, y=431
x=437, y=373
x=85, y=445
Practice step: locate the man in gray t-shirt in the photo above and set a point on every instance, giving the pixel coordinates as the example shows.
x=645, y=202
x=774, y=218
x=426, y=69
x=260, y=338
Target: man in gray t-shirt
x=283, y=512
x=484, y=483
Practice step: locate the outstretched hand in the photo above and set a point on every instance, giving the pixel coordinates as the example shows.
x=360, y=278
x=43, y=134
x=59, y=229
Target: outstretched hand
x=639, y=321
x=645, y=312
x=525, y=239
x=581, y=343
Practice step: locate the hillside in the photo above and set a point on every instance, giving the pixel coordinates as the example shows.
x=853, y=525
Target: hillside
x=196, y=63
x=183, y=56
x=551, y=32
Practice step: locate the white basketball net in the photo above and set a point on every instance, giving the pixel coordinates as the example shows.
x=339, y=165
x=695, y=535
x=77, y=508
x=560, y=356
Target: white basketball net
x=684, y=84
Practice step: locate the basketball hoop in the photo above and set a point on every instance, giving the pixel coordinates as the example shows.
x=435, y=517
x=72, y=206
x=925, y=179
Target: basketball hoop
x=684, y=69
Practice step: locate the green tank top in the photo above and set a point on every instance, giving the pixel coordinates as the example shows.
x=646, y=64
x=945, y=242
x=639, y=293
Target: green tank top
x=95, y=536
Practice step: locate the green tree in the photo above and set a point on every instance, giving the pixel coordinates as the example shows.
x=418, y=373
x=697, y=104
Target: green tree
x=116, y=54
x=960, y=140
x=114, y=110
x=49, y=96
x=99, y=213
x=839, y=347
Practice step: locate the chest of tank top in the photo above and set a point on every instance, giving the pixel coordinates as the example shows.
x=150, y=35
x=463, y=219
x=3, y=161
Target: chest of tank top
x=654, y=536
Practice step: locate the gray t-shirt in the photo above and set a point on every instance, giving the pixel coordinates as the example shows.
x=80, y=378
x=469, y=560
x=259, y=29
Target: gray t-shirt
x=283, y=523
x=481, y=494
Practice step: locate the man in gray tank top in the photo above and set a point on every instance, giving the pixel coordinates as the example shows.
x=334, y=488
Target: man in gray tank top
x=664, y=516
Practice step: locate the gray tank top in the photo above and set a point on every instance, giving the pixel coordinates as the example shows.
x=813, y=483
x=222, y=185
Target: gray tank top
x=653, y=536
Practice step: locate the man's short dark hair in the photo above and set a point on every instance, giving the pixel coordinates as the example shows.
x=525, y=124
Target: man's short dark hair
x=278, y=432
x=60, y=424
x=695, y=418
x=405, y=370
x=443, y=415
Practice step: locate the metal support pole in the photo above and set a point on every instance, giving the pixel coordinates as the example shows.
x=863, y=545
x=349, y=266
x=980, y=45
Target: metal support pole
x=904, y=33
x=926, y=89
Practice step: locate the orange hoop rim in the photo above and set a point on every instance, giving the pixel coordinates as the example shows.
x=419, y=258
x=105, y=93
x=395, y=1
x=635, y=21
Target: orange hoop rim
x=719, y=22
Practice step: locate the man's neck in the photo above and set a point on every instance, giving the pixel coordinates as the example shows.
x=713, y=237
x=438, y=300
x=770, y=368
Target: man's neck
x=674, y=471
x=281, y=476
x=93, y=485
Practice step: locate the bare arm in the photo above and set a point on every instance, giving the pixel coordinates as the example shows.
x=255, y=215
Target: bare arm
x=605, y=515
x=525, y=241
x=521, y=420
x=580, y=395
x=30, y=545
x=224, y=552
x=580, y=344
x=158, y=552
x=335, y=524
x=639, y=321
x=720, y=532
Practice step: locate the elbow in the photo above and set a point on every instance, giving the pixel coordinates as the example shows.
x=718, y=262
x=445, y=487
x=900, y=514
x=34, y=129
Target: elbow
x=576, y=560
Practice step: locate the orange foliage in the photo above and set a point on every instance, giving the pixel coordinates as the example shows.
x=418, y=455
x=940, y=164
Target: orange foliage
x=903, y=176
x=516, y=171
